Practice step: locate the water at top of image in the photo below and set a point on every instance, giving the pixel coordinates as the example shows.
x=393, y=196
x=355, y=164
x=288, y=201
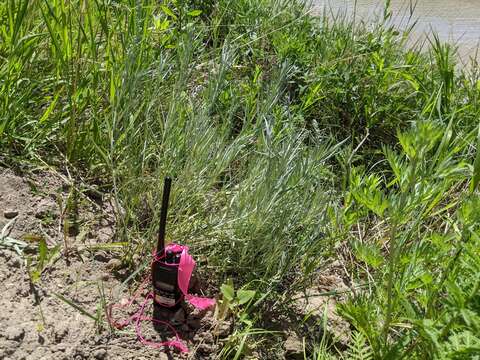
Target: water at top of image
x=455, y=21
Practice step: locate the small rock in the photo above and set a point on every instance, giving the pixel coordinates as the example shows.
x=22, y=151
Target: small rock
x=14, y=333
x=100, y=354
x=114, y=264
x=293, y=347
x=10, y=214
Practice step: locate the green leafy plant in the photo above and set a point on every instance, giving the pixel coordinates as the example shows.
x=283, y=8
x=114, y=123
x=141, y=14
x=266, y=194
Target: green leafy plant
x=359, y=349
x=235, y=303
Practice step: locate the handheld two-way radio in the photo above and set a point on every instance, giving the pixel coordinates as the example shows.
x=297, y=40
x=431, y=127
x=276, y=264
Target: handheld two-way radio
x=165, y=266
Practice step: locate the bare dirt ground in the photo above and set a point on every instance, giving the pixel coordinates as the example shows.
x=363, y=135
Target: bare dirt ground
x=35, y=322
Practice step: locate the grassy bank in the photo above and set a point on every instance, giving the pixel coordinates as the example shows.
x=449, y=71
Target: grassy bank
x=294, y=141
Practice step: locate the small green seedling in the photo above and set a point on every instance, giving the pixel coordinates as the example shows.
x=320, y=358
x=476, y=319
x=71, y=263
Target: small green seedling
x=45, y=256
x=235, y=303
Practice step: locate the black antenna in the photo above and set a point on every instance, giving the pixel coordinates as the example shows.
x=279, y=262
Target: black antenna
x=163, y=214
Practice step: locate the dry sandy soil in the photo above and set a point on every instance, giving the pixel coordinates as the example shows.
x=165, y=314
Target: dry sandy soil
x=35, y=322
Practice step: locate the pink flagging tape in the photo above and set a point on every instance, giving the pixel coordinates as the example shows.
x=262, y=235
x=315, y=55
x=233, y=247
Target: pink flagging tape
x=185, y=270
x=201, y=303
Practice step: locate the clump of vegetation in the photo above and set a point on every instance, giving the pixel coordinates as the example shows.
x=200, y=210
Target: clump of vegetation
x=290, y=136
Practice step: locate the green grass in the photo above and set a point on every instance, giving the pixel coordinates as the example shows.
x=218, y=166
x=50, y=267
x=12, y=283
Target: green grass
x=289, y=137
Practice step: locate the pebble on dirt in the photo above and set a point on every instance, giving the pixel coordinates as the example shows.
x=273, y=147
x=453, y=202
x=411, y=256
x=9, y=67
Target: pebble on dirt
x=10, y=214
x=100, y=354
x=14, y=333
x=114, y=264
x=293, y=347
